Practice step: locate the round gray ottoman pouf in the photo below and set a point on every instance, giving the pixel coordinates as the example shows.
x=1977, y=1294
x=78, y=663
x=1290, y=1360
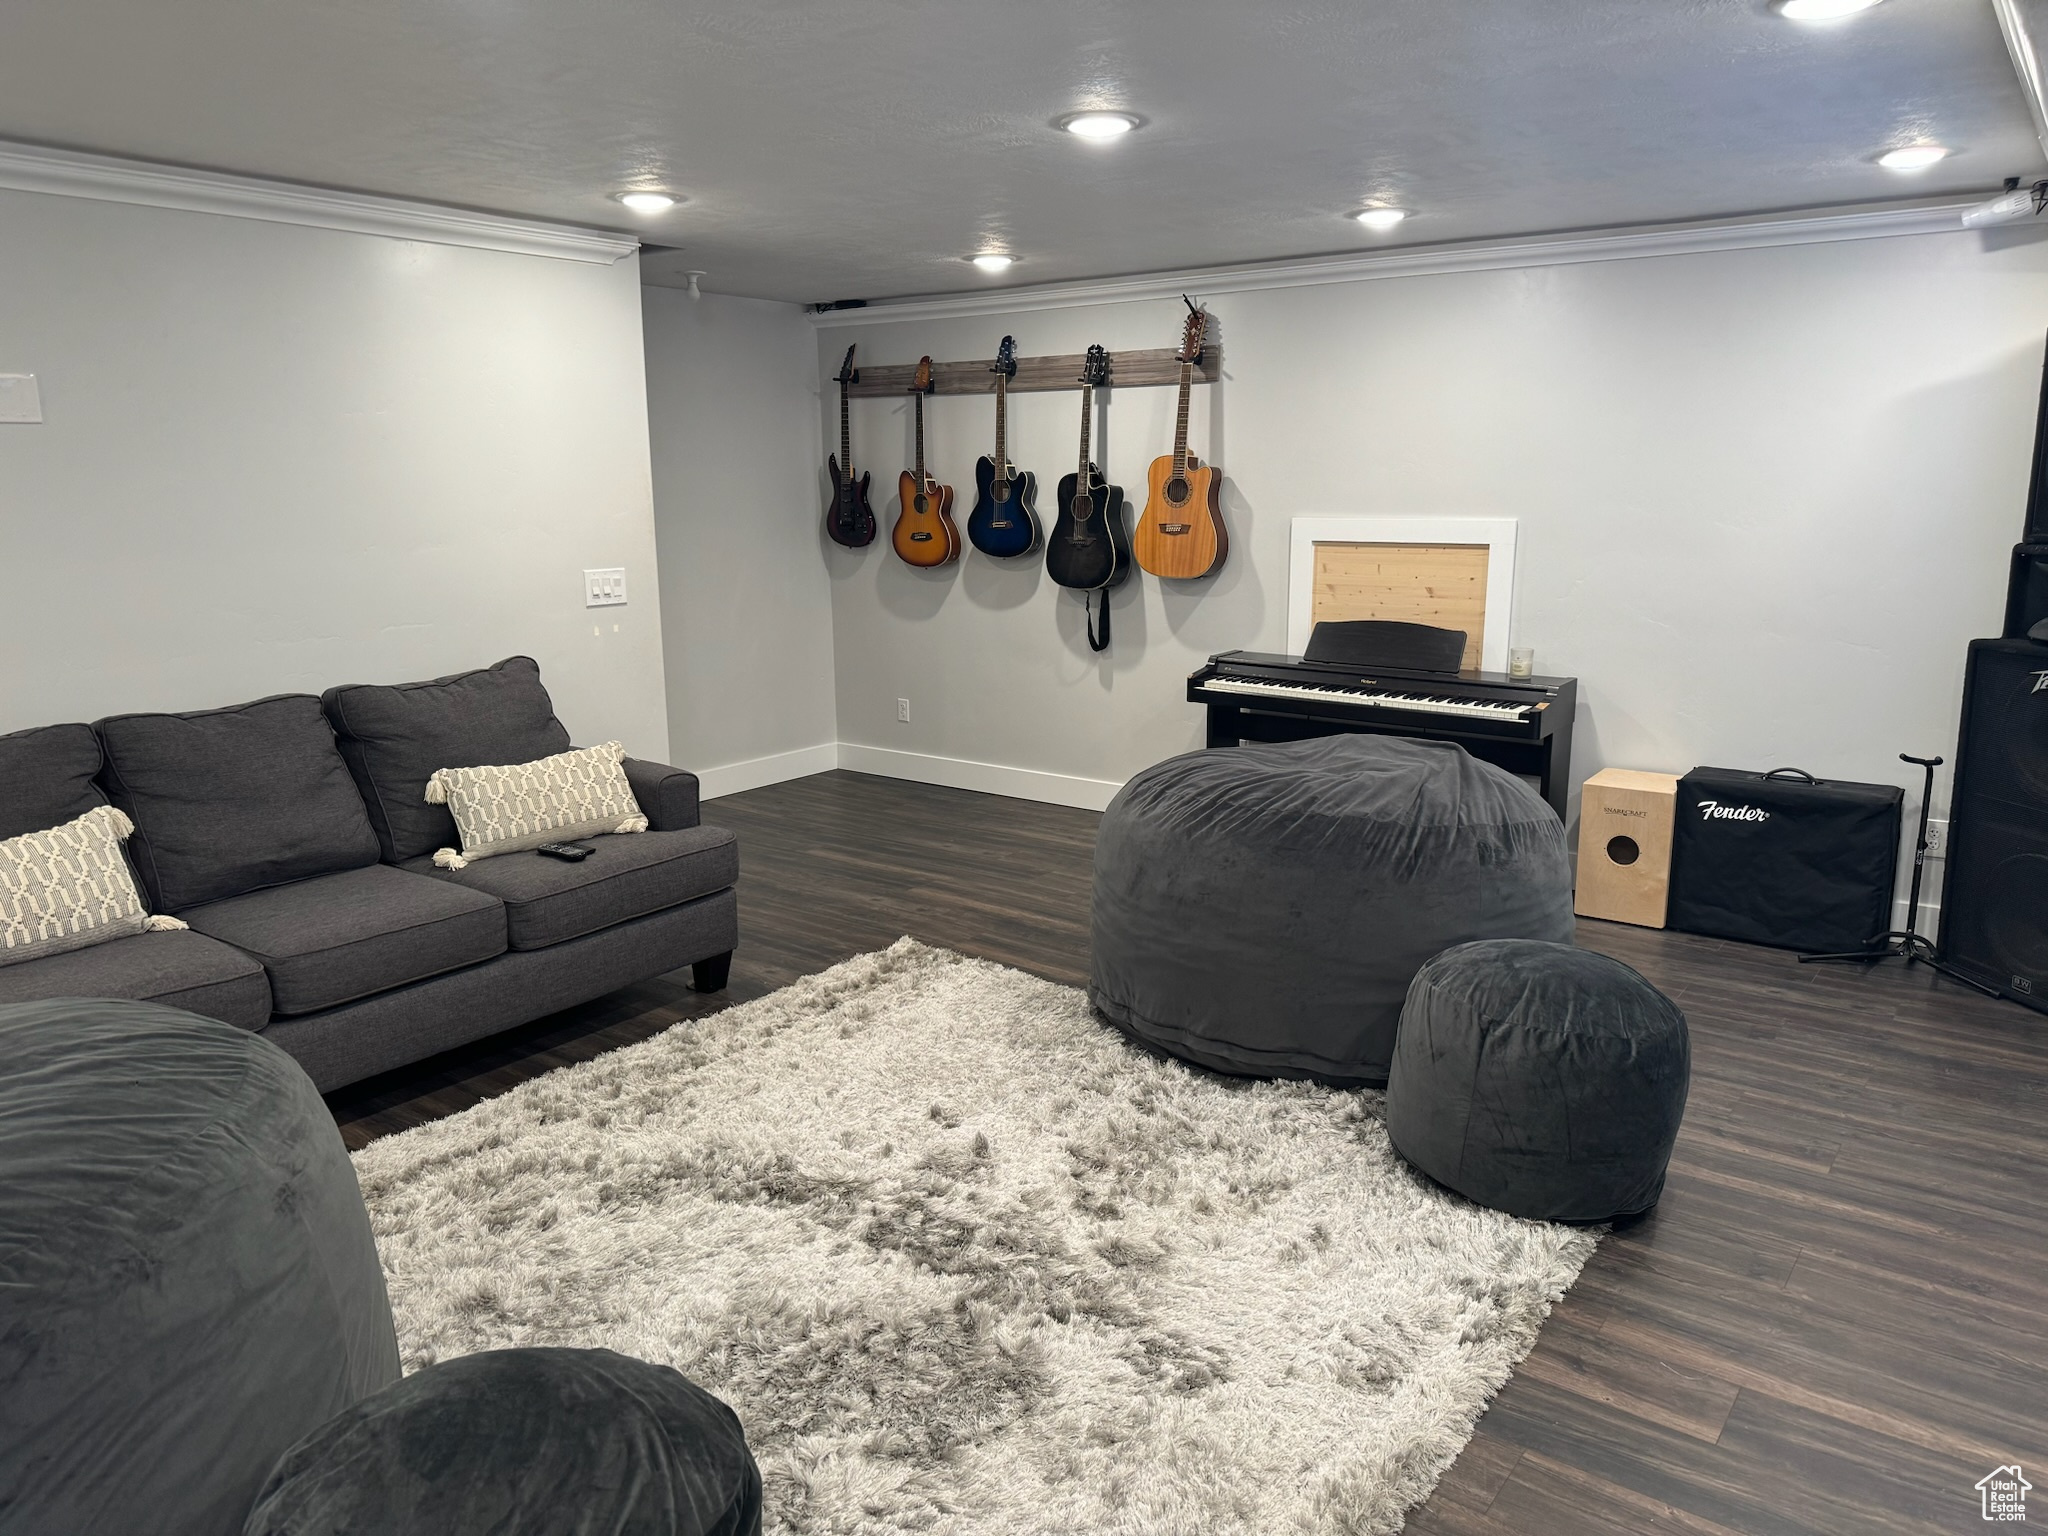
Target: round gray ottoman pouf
x=189, y=1278
x=1261, y=910
x=1540, y=1080
x=522, y=1442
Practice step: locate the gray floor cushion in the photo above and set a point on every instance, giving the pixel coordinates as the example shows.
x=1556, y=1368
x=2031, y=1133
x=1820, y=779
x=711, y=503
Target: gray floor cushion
x=1539, y=1079
x=1262, y=909
x=189, y=1278
x=337, y=937
x=547, y=901
x=180, y=970
x=522, y=1442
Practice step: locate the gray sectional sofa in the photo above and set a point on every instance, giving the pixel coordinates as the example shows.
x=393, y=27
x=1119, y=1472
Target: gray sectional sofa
x=292, y=835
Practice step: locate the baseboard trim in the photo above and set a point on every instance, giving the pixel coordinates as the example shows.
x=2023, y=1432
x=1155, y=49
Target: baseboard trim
x=986, y=778
x=760, y=772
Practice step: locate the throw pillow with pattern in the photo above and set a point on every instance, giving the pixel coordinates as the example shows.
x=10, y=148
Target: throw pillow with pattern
x=69, y=887
x=506, y=809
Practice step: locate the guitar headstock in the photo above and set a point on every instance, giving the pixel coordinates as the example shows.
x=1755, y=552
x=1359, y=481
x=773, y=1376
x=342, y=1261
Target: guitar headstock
x=1194, y=334
x=922, y=384
x=1006, y=358
x=846, y=373
x=1095, y=367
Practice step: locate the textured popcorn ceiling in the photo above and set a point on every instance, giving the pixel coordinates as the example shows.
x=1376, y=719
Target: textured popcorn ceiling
x=860, y=148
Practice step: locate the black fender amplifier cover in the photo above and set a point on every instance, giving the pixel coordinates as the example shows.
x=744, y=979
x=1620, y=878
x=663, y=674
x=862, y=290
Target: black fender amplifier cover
x=1785, y=859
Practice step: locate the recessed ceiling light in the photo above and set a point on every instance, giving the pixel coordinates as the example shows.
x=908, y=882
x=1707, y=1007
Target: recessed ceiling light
x=1913, y=157
x=1819, y=10
x=992, y=261
x=1380, y=218
x=646, y=202
x=1099, y=125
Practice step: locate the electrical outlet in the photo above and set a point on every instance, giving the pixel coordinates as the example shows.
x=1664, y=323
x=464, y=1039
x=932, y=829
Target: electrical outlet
x=903, y=710
x=1937, y=839
x=603, y=589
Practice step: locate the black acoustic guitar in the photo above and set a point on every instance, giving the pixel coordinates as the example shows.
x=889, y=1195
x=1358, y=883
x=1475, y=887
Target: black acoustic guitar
x=849, y=520
x=1003, y=523
x=1089, y=548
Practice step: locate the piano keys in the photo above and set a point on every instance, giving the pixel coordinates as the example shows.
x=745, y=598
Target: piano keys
x=1521, y=724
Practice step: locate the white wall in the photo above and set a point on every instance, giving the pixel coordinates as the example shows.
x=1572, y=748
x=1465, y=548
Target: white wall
x=1765, y=496
x=277, y=458
x=732, y=389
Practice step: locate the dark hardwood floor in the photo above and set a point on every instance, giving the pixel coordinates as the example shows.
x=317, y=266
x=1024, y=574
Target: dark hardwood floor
x=1836, y=1321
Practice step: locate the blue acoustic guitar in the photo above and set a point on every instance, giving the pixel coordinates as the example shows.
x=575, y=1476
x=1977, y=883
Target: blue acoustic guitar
x=1002, y=522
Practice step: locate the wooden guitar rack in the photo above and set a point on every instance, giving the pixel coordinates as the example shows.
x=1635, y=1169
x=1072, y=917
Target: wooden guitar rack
x=1157, y=365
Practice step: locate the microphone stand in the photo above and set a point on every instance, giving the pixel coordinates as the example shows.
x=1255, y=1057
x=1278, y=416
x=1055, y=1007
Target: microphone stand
x=1907, y=944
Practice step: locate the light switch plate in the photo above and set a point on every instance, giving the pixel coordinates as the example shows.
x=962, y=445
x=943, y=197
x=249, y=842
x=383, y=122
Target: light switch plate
x=604, y=589
x=20, y=400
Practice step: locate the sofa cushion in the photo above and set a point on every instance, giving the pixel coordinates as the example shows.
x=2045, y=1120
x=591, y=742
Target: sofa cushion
x=180, y=970
x=547, y=901
x=338, y=937
x=46, y=777
x=232, y=800
x=394, y=737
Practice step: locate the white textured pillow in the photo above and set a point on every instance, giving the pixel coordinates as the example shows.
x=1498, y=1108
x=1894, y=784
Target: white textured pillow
x=69, y=887
x=505, y=809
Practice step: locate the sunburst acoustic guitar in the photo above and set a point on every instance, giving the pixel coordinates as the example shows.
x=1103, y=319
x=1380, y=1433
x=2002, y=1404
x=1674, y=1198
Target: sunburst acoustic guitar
x=849, y=519
x=924, y=534
x=1181, y=532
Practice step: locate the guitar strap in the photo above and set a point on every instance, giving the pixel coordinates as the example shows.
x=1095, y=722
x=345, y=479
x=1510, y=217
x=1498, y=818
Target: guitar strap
x=1096, y=643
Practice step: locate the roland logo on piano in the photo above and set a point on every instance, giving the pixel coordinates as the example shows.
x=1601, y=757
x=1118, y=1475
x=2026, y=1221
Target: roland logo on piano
x=1714, y=810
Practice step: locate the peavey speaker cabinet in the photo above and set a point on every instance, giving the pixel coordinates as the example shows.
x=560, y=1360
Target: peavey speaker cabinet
x=1783, y=858
x=1994, y=895
x=2026, y=601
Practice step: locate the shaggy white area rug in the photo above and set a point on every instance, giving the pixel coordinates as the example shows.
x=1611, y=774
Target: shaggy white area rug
x=964, y=1260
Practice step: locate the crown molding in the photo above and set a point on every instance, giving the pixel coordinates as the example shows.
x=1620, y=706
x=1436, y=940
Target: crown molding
x=2026, y=63
x=68, y=173
x=1751, y=233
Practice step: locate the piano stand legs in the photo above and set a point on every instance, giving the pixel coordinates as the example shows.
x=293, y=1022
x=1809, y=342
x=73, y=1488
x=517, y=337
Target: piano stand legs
x=1223, y=727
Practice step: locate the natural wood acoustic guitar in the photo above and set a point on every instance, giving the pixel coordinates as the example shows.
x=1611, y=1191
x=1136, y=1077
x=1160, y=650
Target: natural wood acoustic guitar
x=1181, y=531
x=924, y=534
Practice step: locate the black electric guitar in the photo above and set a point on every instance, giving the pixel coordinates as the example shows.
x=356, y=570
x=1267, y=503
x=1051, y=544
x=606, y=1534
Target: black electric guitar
x=1089, y=548
x=849, y=520
x=1002, y=522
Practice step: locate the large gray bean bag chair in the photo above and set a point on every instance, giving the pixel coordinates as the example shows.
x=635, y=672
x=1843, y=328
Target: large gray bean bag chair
x=1539, y=1079
x=187, y=1278
x=1261, y=910
x=522, y=1442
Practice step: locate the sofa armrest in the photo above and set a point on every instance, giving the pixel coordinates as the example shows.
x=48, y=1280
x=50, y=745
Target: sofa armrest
x=668, y=796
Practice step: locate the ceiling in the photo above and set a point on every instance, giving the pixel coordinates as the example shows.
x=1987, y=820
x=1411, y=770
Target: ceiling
x=862, y=148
